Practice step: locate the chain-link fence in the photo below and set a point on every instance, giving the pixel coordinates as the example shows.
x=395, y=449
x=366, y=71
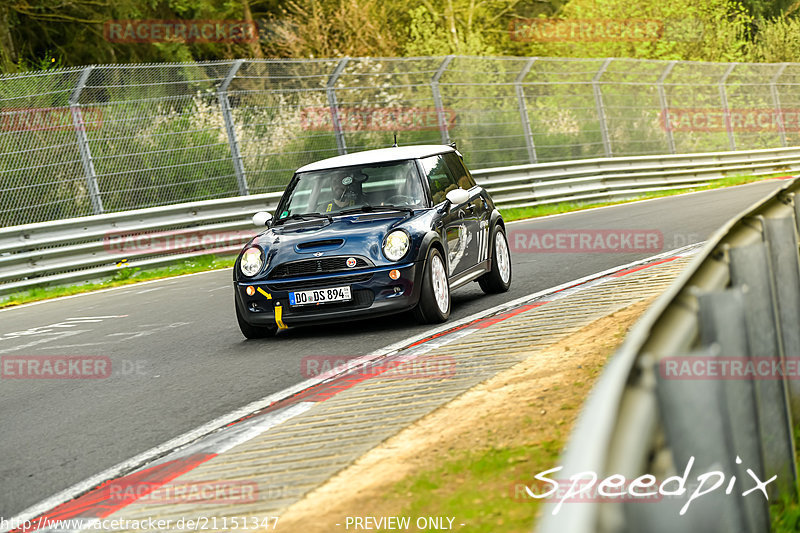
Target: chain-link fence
x=96, y=139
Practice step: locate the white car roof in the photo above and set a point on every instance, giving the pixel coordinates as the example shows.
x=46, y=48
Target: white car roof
x=380, y=155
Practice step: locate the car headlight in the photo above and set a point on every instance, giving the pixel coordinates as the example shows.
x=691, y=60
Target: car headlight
x=252, y=261
x=396, y=245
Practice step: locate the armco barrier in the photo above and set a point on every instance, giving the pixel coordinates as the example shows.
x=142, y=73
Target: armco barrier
x=707, y=381
x=80, y=249
x=598, y=180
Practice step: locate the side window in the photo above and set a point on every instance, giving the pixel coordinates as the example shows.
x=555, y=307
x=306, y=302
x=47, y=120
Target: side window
x=459, y=171
x=438, y=176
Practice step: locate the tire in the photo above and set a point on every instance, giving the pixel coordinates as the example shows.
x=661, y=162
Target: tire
x=253, y=332
x=428, y=309
x=498, y=279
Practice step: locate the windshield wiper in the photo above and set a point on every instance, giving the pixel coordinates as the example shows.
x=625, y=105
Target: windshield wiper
x=373, y=208
x=303, y=216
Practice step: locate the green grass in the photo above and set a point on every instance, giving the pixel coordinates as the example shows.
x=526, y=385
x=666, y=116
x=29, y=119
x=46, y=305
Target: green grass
x=520, y=213
x=785, y=514
x=124, y=276
x=483, y=489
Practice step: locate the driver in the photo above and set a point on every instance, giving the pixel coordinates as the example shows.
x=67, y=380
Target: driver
x=346, y=191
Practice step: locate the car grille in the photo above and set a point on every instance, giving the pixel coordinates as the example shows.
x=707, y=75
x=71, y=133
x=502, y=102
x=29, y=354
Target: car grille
x=324, y=282
x=309, y=267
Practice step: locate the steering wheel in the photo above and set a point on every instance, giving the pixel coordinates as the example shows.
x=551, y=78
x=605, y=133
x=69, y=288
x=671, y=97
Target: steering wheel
x=400, y=199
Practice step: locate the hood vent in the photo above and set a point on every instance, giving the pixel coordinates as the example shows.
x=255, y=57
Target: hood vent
x=327, y=243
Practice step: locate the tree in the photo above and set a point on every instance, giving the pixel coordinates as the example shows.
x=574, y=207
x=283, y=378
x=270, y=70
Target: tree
x=464, y=27
x=72, y=30
x=714, y=30
x=34, y=33
x=768, y=9
x=316, y=28
x=8, y=52
x=778, y=40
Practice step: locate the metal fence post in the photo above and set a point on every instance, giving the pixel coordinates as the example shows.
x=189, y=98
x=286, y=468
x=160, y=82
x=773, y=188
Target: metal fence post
x=662, y=98
x=225, y=106
x=749, y=267
x=601, y=112
x=722, y=323
x=437, y=99
x=83, y=142
x=723, y=96
x=776, y=101
x=330, y=89
x=523, y=110
x=781, y=237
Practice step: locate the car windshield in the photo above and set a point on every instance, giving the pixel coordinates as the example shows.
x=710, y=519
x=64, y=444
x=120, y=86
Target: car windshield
x=394, y=184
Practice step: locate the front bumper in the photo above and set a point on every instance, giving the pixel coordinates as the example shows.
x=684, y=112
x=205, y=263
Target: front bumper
x=374, y=293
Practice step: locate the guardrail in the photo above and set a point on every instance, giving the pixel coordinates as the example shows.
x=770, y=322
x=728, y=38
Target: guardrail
x=90, y=248
x=707, y=380
x=599, y=180
x=93, y=247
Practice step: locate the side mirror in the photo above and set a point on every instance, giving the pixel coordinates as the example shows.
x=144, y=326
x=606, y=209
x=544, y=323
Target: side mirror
x=457, y=196
x=261, y=218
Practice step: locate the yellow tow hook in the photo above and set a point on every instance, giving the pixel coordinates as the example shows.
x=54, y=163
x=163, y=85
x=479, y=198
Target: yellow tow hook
x=278, y=315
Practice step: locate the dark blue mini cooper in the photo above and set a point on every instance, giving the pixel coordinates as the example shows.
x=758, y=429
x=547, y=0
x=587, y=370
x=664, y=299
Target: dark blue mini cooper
x=367, y=234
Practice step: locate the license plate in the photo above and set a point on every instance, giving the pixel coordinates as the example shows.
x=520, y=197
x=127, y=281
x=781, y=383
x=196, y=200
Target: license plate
x=319, y=296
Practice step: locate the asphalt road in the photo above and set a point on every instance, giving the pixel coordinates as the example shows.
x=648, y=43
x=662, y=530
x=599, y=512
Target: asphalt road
x=179, y=361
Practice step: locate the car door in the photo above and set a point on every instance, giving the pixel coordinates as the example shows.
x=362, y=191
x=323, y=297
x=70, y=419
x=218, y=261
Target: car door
x=457, y=230
x=477, y=211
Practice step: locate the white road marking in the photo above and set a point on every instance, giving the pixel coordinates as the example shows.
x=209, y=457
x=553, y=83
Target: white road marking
x=269, y=421
x=128, y=335
x=173, y=280
x=155, y=328
x=44, y=330
x=148, y=290
x=54, y=337
x=230, y=287
x=253, y=407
